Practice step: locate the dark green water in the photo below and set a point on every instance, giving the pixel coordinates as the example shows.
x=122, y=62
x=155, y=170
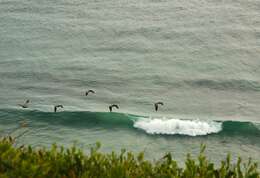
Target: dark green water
x=155, y=136
x=201, y=58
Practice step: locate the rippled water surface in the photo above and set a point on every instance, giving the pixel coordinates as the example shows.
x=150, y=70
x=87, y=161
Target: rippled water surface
x=201, y=58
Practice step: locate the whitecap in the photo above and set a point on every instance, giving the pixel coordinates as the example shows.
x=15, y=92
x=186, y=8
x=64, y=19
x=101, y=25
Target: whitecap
x=178, y=126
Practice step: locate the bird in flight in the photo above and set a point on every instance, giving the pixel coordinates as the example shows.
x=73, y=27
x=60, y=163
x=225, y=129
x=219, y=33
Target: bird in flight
x=57, y=106
x=112, y=106
x=89, y=91
x=25, y=105
x=156, y=105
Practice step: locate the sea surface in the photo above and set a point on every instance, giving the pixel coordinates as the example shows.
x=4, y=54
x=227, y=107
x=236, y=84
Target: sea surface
x=200, y=58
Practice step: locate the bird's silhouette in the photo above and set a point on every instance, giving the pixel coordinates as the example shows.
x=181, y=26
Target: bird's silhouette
x=156, y=105
x=89, y=91
x=113, y=106
x=25, y=105
x=57, y=106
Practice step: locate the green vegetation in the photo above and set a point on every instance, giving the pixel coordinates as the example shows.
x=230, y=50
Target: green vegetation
x=25, y=162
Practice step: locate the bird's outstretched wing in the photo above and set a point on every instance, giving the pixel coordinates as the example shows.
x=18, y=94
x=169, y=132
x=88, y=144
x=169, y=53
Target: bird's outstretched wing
x=115, y=105
x=161, y=103
x=89, y=91
x=156, y=107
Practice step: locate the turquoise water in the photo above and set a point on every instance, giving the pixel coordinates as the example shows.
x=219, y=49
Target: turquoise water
x=201, y=58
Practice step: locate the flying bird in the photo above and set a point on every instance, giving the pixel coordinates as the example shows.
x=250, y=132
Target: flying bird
x=112, y=106
x=156, y=105
x=56, y=107
x=89, y=91
x=25, y=105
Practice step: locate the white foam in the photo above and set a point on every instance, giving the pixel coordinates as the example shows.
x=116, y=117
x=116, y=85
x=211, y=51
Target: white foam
x=178, y=126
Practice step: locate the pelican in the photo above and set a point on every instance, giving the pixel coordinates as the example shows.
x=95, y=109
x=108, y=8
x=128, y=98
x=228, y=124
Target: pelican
x=56, y=107
x=25, y=105
x=156, y=105
x=89, y=91
x=113, y=105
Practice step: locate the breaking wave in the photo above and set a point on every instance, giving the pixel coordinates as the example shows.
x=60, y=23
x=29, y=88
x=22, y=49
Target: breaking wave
x=152, y=126
x=177, y=126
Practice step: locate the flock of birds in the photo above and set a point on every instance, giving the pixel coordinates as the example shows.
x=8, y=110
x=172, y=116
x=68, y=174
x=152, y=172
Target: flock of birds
x=26, y=104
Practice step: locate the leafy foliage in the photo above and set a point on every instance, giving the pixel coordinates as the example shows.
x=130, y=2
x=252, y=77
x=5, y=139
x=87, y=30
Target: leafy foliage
x=58, y=162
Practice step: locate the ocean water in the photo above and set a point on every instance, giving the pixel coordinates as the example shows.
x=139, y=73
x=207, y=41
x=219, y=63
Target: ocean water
x=201, y=58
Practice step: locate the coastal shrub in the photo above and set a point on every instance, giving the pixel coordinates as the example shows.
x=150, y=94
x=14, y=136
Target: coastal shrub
x=58, y=162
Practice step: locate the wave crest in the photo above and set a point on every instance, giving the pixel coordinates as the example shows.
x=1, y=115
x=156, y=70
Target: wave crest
x=178, y=126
